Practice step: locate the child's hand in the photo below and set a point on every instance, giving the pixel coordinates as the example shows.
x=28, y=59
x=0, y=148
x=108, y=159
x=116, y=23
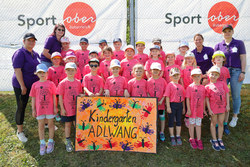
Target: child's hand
x=106, y=93
x=34, y=113
x=81, y=95
x=211, y=112
x=97, y=94
x=227, y=108
x=160, y=102
x=169, y=110
x=63, y=112
x=91, y=94
x=126, y=94
x=205, y=113
x=183, y=111
x=188, y=112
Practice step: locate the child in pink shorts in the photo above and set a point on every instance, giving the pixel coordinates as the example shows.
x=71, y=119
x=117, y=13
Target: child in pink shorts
x=43, y=93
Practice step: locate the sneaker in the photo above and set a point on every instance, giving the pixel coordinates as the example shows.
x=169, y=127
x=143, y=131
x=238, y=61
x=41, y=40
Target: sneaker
x=173, y=142
x=21, y=136
x=215, y=145
x=186, y=120
x=58, y=118
x=178, y=141
x=193, y=143
x=46, y=126
x=226, y=130
x=50, y=147
x=69, y=146
x=233, y=122
x=200, y=145
x=221, y=145
x=162, y=136
x=42, y=149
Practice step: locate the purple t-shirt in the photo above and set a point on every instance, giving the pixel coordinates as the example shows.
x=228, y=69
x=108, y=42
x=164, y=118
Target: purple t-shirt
x=232, y=52
x=23, y=59
x=204, y=58
x=53, y=45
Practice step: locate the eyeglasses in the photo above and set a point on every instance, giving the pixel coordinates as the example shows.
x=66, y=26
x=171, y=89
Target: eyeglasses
x=60, y=29
x=93, y=66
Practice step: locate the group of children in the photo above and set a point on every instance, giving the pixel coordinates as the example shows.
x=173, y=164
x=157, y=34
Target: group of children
x=174, y=80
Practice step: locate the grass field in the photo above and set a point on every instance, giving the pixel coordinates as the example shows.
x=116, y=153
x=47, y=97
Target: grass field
x=14, y=153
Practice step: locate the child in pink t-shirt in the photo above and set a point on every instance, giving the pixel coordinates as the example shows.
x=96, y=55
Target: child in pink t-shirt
x=105, y=64
x=217, y=100
x=83, y=54
x=43, y=93
x=71, y=57
x=102, y=44
x=170, y=58
x=157, y=41
x=183, y=48
x=93, y=54
x=140, y=56
x=175, y=101
x=155, y=88
x=69, y=89
x=118, y=53
x=65, y=48
x=128, y=63
x=93, y=83
x=137, y=87
x=116, y=85
x=195, y=97
x=154, y=54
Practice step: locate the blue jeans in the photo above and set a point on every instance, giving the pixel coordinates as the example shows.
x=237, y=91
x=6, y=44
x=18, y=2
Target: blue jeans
x=48, y=64
x=235, y=88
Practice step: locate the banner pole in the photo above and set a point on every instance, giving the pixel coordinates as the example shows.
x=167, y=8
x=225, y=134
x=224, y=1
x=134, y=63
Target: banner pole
x=131, y=22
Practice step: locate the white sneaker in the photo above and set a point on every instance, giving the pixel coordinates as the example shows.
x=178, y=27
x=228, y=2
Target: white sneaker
x=46, y=126
x=233, y=122
x=21, y=137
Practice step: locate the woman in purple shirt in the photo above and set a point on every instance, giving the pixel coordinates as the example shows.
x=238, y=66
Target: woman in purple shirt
x=52, y=44
x=24, y=62
x=235, y=53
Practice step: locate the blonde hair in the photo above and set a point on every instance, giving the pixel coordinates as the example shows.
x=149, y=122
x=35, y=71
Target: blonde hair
x=139, y=67
x=184, y=64
x=167, y=57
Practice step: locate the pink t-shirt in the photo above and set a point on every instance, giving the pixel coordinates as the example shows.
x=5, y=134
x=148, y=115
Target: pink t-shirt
x=179, y=59
x=116, y=85
x=142, y=58
x=69, y=90
x=224, y=74
x=63, y=53
x=150, y=61
x=43, y=92
x=196, y=95
x=186, y=76
x=56, y=74
x=99, y=56
x=163, y=56
x=82, y=58
x=216, y=92
x=127, y=67
x=175, y=92
x=137, y=88
x=78, y=74
x=104, y=69
x=167, y=70
x=118, y=55
x=93, y=83
x=156, y=88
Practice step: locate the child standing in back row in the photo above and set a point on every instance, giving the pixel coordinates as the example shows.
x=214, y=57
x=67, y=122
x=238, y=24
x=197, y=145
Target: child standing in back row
x=183, y=48
x=65, y=47
x=92, y=54
x=157, y=41
x=118, y=53
x=140, y=56
x=170, y=58
x=102, y=44
x=105, y=64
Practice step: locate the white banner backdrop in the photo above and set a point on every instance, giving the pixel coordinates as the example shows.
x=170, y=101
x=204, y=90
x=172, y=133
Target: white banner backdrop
x=176, y=20
x=94, y=20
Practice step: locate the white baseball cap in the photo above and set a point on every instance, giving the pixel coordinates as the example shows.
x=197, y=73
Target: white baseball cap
x=56, y=54
x=214, y=69
x=65, y=39
x=174, y=71
x=189, y=54
x=41, y=67
x=115, y=63
x=183, y=43
x=130, y=47
x=156, y=66
x=70, y=65
x=196, y=71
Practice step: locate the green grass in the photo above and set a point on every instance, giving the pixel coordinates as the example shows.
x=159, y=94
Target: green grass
x=14, y=153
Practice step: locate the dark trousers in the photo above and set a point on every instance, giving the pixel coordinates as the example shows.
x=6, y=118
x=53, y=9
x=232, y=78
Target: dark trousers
x=176, y=109
x=21, y=101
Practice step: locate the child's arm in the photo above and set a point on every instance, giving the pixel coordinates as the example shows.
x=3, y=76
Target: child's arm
x=63, y=112
x=181, y=82
x=161, y=74
x=148, y=94
x=161, y=101
x=55, y=104
x=168, y=105
x=228, y=105
x=188, y=107
x=90, y=94
x=33, y=103
x=208, y=107
x=100, y=92
x=106, y=93
x=126, y=94
x=147, y=74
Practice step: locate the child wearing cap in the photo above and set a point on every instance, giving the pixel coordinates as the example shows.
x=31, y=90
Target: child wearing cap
x=140, y=56
x=105, y=64
x=116, y=85
x=157, y=41
x=195, y=98
x=183, y=48
x=93, y=83
x=155, y=88
x=92, y=54
x=65, y=47
x=175, y=96
x=128, y=63
x=154, y=58
x=217, y=100
x=118, y=53
x=102, y=44
x=69, y=88
x=71, y=57
x=137, y=87
x=82, y=55
x=170, y=58
x=43, y=93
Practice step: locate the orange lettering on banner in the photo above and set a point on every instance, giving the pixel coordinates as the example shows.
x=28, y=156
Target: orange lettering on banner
x=116, y=124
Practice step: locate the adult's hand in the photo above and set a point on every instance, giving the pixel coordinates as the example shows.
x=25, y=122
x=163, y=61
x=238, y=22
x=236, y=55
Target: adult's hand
x=24, y=90
x=241, y=77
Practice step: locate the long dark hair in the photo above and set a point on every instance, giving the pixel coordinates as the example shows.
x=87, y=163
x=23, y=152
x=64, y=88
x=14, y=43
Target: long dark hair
x=56, y=27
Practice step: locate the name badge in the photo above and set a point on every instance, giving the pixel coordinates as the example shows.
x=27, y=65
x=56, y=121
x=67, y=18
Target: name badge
x=205, y=57
x=234, y=50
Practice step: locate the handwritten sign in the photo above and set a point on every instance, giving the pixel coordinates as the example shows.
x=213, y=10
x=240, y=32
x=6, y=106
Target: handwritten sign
x=116, y=124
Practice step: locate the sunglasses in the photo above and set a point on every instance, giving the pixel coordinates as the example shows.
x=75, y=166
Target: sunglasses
x=93, y=66
x=60, y=29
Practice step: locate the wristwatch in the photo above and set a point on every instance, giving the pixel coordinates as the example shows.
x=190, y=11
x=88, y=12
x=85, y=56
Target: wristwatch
x=243, y=72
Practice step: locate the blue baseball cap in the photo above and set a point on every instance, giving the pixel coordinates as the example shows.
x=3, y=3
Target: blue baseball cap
x=84, y=40
x=155, y=47
x=41, y=67
x=103, y=41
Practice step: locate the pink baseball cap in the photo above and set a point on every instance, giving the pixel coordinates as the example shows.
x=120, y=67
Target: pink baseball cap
x=70, y=54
